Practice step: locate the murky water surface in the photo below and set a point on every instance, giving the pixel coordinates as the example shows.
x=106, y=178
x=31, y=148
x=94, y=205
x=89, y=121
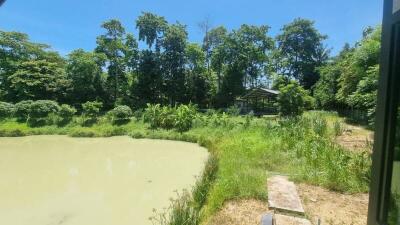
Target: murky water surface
x=58, y=180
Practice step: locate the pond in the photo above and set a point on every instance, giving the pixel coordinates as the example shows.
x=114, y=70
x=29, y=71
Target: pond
x=49, y=180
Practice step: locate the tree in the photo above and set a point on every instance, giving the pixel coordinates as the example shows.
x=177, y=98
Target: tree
x=150, y=28
x=292, y=99
x=112, y=45
x=212, y=45
x=301, y=51
x=356, y=64
x=244, y=57
x=131, y=53
x=173, y=62
x=84, y=70
x=365, y=96
x=198, y=83
x=38, y=79
x=16, y=48
x=149, y=84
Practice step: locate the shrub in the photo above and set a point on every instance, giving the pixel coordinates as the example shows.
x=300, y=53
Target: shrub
x=22, y=110
x=179, y=118
x=159, y=116
x=65, y=114
x=91, y=111
x=138, y=114
x=120, y=115
x=40, y=110
x=292, y=99
x=233, y=110
x=184, y=116
x=6, y=110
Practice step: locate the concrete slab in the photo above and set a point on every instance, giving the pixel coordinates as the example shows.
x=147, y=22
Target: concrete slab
x=283, y=196
x=290, y=220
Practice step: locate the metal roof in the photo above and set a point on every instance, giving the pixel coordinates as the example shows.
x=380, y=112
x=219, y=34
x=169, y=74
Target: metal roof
x=260, y=93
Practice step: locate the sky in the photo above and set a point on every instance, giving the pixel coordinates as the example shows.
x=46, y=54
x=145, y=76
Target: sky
x=70, y=24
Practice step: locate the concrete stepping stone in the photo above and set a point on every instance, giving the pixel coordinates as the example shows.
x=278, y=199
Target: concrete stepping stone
x=283, y=196
x=290, y=220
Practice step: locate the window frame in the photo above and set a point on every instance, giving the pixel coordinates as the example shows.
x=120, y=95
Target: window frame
x=386, y=115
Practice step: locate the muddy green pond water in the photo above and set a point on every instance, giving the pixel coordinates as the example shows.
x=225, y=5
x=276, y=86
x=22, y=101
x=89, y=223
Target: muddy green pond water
x=59, y=180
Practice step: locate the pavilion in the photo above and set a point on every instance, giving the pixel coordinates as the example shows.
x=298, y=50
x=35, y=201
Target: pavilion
x=260, y=101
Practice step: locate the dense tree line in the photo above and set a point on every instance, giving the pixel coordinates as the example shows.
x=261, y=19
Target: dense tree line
x=350, y=80
x=170, y=70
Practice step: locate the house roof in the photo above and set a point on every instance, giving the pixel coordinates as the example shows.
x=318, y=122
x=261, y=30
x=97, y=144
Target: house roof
x=260, y=93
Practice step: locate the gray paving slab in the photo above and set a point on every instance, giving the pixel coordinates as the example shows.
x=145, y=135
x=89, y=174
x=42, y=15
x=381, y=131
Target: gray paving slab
x=283, y=195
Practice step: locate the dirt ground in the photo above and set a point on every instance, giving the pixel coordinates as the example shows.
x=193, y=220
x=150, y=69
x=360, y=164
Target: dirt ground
x=356, y=138
x=333, y=208
x=241, y=212
x=330, y=207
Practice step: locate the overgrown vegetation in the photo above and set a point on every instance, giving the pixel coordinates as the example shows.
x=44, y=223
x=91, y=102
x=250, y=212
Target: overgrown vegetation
x=350, y=80
x=242, y=150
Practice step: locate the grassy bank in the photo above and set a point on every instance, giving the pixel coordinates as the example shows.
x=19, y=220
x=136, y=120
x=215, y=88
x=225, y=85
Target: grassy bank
x=242, y=150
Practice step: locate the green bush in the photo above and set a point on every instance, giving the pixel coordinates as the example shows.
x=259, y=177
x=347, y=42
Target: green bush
x=292, y=99
x=39, y=112
x=120, y=115
x=165, y=117
x=184, y=116
x=65, y=114
x=91, y=112
x=159, y=116
x=6, y=110
x=22, y=110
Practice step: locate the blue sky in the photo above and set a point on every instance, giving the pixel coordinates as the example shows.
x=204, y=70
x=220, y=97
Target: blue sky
x=71, y=24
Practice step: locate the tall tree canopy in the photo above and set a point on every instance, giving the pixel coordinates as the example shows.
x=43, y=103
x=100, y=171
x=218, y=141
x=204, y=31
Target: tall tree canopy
x=38, y=79
x=199, y=84
x=243, y=57
x=351, y=79
x=173, y=62
x=150, y=28
x=112, y=45
x=301, y=51
x=29, y=70
x=84, y=69
x=168, y=69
